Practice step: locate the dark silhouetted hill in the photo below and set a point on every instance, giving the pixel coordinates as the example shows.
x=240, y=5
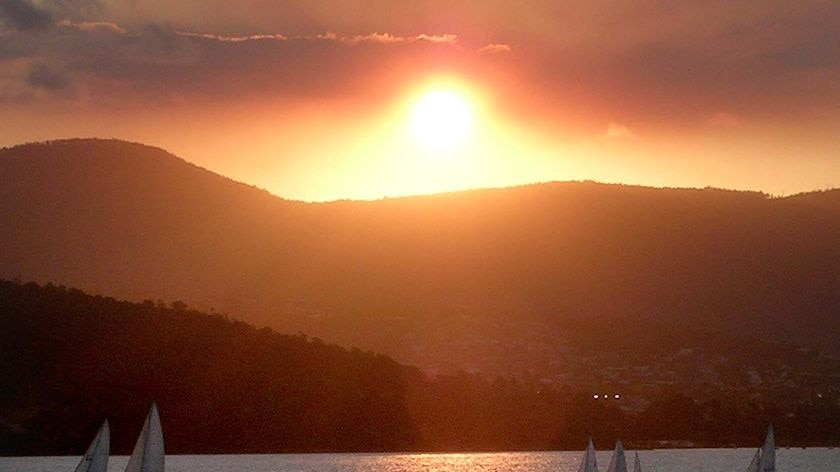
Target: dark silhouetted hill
x=68, y=360
x=490, y=280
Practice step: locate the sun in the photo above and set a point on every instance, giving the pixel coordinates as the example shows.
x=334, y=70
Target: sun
x=442, y=119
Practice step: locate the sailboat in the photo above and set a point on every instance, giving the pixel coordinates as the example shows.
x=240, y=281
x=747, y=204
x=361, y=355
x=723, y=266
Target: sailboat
x=637, y=464
x=764, y=459
x=753, y=467
x=148, y=452
x=588, y=462
x=618, y=463
x=96, y=456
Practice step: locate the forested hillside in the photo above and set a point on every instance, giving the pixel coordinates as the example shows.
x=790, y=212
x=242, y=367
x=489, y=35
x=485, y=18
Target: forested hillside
x=69, y=360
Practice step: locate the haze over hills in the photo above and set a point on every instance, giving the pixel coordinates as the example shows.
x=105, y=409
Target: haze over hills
x=492, y=280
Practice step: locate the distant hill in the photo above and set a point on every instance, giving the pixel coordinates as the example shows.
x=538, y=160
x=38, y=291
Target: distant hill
x=491, y=280
x=69, y=360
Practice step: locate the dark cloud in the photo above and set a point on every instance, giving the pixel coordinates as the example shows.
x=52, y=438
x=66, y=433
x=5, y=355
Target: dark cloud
x=42, y=76
x=677, y=63
x=74, y=9
x=156, y=63
x=803, y=57
x=23, y=15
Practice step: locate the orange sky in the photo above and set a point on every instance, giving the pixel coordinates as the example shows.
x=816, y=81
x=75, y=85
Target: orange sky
x=311, y=100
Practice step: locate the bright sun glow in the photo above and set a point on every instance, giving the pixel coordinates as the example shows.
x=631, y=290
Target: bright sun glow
x=442, y=119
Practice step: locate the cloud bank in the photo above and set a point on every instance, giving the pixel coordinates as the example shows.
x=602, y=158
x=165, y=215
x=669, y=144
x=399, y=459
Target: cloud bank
x=674, y=62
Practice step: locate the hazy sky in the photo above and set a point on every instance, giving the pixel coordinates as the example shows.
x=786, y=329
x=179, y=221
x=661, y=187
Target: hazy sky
x=309, y=99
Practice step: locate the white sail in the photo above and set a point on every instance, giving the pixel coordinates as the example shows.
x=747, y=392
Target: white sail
x=96, y=456
x=637, y=464
x=148, y=452
x=753, y=467
x=588, y=462
x=767, y=463
x=618, y=463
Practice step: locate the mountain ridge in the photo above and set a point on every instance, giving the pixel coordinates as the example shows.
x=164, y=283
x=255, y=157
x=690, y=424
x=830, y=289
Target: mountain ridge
x=105, y=142
x=403, y=275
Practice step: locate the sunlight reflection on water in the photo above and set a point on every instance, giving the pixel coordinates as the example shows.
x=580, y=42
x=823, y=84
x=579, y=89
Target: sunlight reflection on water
x=674, y=460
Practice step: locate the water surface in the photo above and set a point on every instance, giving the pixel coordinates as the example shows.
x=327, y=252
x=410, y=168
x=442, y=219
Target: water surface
x=662, y=460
